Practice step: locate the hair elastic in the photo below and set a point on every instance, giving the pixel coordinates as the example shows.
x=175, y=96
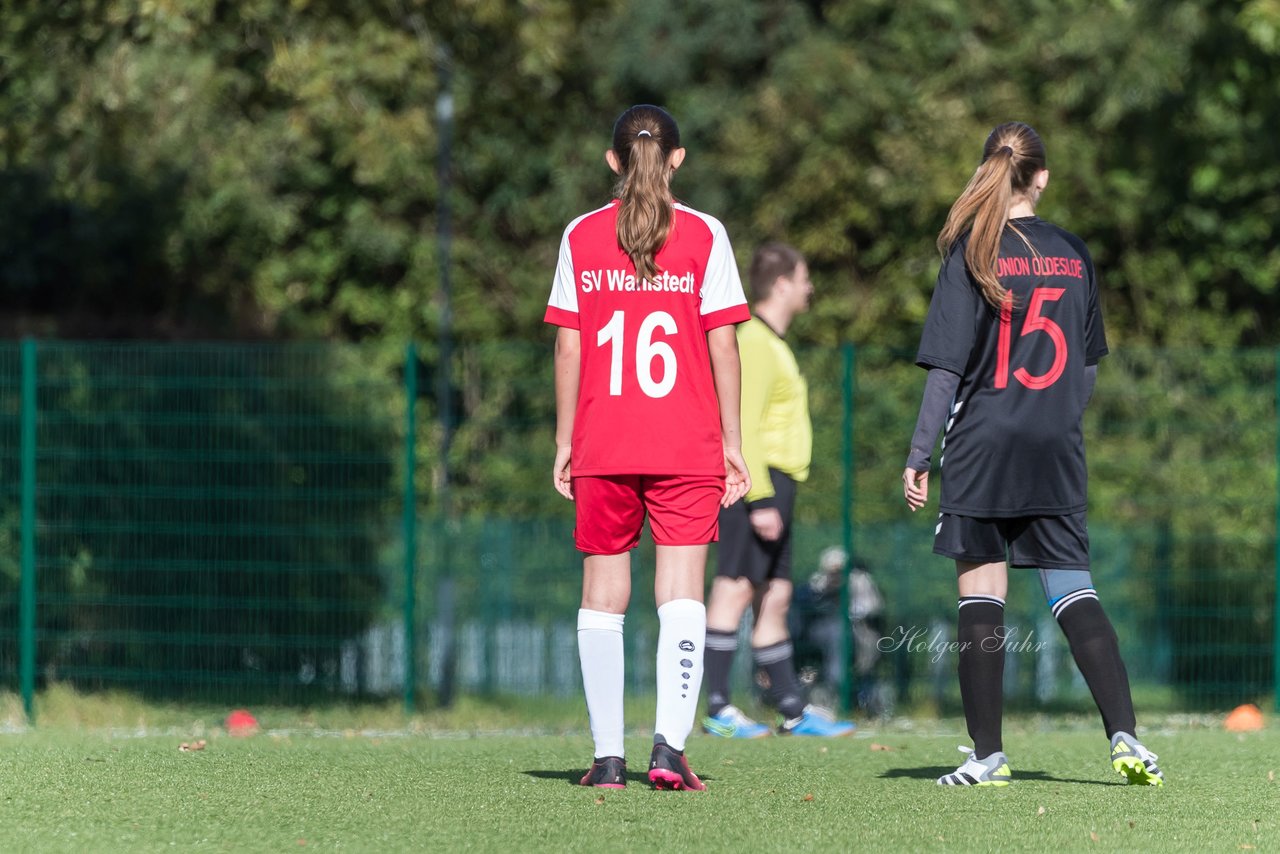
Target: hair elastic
x=642, y=133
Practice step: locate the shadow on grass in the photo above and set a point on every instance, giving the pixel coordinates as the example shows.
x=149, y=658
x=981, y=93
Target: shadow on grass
x=933, y=772
x=572, y=777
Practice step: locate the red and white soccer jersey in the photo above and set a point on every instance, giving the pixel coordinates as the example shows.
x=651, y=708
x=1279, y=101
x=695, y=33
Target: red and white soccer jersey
x=646, y=398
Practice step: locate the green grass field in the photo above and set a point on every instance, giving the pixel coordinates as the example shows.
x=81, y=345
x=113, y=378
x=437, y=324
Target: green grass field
x=112, y=785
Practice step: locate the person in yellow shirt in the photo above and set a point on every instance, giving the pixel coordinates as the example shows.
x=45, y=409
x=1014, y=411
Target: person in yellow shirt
x=754, y=553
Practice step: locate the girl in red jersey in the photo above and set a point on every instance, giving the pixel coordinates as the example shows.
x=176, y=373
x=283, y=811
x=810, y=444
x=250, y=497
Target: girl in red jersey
x=1012, y=343
x=646, y=296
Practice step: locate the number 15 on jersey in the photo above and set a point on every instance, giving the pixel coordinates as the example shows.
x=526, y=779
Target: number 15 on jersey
x=1035, y=322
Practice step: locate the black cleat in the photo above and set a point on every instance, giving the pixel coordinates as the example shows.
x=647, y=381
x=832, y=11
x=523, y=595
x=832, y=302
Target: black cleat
x=609, y=772
x=669, y=769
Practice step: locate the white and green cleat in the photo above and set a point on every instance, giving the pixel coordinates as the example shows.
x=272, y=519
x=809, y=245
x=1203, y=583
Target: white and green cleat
x=992, y=771
x=1134, y=762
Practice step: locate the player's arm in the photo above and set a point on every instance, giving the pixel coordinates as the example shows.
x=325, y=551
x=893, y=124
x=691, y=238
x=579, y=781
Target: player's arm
x=939, y=393
x=759, y=370
x=568, y=360
x=726, y=369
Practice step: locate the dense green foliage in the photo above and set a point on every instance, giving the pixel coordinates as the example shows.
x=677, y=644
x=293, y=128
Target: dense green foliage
x=186, y=168
x=269, y=169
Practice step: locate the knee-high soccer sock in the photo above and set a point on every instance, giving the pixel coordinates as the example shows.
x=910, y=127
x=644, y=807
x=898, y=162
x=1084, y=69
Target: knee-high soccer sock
x=600, y=651
x=721, y=647
x=1097, y=653
x=682, y=631
x=981, y=670
x=778, y=661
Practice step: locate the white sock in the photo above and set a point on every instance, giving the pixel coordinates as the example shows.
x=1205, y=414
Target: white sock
x=600, y=651
x=682, y=633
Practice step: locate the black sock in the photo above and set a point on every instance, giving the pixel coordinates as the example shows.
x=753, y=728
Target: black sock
x=1097, y=653
x=717, y=661
x=981, y=638
x=784, y=691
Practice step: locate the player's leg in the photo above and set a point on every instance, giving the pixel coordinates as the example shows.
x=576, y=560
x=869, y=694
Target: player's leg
x=682, y=627
x=978, y=547
x=1093, y=643
x=729, y=599
x=980, y=635
x=606, y=589
x=1062, y=542
x=683, y=516
x=609, y=516
x=739, y=567
x=1096, y=651
x=773, y=651
x=771, y=646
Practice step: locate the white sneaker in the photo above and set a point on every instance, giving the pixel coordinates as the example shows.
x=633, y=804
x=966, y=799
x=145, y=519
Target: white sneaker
x=992, y=771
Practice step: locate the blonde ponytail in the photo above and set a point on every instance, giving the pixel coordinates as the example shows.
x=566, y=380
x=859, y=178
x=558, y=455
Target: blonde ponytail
x=643, y=139
x=983, y=209
x=644, y=220
x=1013, y=154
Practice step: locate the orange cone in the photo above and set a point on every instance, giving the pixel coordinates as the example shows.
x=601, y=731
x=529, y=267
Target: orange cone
x=240, y=722
x=1246, y=718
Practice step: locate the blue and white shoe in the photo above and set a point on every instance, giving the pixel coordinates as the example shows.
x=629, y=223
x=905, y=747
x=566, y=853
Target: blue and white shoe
x=732, y=723
x=818, y=721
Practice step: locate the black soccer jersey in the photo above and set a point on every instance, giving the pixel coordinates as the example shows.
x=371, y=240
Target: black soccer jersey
x=1014, y=445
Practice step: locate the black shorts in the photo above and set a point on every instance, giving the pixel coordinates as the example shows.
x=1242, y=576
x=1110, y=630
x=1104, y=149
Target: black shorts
x=741, y=554
x=1049, y=542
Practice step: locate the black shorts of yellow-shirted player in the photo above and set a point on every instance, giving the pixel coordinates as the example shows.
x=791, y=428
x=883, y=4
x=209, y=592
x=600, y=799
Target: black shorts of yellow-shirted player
x=1012, y=342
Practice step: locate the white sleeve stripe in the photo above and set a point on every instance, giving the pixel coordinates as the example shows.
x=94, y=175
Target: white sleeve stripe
x=721, y=285
x=564, y=294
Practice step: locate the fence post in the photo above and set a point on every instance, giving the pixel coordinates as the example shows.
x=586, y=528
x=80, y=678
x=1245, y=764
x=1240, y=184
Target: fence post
x=847, y=655
x=27, y=607
x=409, y=521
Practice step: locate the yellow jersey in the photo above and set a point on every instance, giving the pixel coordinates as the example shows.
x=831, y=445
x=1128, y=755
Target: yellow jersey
x=776, y=430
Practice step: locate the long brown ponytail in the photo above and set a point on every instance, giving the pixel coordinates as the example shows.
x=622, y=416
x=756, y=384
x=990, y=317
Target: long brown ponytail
x=643, y=139
x=1011, y=157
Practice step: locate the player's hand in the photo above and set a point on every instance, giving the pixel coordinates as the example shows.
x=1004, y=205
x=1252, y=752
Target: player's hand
x=767, y=523
x=560, y=477
x=737, y=482
x=915, y=488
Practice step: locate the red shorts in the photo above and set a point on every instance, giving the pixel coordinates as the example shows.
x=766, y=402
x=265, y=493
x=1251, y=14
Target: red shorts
x=684, y=510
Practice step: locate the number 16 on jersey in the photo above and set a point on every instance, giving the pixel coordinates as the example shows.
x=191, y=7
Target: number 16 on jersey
x=647, y=351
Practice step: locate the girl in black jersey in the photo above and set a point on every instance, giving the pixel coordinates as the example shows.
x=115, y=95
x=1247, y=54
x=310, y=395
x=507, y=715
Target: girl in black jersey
x=1011, y=344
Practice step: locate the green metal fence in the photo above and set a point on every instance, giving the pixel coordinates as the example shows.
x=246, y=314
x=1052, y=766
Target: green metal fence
x=240, y=522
